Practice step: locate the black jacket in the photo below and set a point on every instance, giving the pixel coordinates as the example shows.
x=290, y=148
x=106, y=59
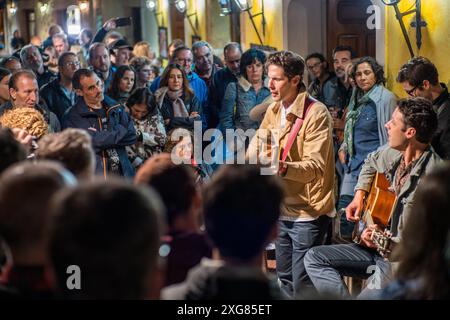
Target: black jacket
x=441, y=139
x=220, y=81
x=191, y=104
x=56, y=99
x=45, y=77
x=118, y=132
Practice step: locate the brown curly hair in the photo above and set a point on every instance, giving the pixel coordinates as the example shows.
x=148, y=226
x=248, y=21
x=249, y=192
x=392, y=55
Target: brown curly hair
x=72, y=147
x=28, y=119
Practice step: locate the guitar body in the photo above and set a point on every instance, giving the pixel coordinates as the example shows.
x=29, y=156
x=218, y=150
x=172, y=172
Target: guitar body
x=379, y=202
x=377, y=206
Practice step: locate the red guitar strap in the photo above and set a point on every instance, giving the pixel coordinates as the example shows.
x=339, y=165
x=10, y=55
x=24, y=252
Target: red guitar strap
x=296, y=128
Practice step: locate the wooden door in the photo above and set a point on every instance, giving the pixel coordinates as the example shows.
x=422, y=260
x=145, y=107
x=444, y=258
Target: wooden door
x=137, y=24
x=347, y=25
x=176, y=24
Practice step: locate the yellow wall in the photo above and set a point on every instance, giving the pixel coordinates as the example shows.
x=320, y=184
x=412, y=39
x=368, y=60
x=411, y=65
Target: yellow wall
x=273, y=12
x=435, y=39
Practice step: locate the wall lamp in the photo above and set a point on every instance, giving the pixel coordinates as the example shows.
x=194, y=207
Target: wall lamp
x=246, y=5
x=225, y=7
x=181, y=6
x=152, y=6
x=13, y=8
x=418, y=23
x=83, y=5
x=44, y=7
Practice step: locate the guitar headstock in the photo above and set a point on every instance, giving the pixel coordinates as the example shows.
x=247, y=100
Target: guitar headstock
x=382, y=240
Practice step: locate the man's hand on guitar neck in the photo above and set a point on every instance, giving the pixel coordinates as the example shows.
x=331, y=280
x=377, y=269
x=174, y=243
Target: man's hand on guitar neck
x=353, y=210
x=366, y=236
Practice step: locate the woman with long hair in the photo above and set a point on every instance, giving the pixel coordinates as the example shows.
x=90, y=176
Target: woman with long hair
x=370, y=107
x=176, y=100
x=122, y=84
x=5, y=74
x=149, y=126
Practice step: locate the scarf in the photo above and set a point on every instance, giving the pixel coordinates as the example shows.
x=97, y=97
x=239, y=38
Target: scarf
x=357, y=100
x=179, y=109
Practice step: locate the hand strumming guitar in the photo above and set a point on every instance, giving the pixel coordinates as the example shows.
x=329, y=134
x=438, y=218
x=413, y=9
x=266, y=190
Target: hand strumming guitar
x=353, y=210
x=282, y=168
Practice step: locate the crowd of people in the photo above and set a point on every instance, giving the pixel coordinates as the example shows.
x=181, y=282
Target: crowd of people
x=99, y=171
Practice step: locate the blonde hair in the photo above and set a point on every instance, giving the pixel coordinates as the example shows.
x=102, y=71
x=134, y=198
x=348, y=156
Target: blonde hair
x=142, y=49
x=28, y=119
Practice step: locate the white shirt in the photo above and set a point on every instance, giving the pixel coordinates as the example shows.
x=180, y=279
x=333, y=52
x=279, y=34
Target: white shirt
x=284, y=113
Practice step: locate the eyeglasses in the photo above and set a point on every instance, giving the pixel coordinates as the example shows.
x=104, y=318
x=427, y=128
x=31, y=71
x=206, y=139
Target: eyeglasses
x=315, y=65
x=180, y=61
x=72, y=64
x=411, y=92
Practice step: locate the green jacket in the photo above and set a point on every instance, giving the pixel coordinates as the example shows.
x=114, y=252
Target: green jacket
x=387, y=161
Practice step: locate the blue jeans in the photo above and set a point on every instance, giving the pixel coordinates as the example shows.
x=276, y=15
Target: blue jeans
x=327, y=264
x=294, y=240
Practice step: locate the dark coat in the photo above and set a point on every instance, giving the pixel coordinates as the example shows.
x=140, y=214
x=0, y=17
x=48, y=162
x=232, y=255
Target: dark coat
x=165, y=105
x=220, y=82
x=119, y=133
x=441, y=139
x=45, y=77
x=56, y=99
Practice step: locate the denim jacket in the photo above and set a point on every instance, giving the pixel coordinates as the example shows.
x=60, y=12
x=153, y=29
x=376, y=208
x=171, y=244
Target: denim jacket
x=237, y=102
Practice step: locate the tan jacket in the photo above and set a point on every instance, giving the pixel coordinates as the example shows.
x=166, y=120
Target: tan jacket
x=310, y=176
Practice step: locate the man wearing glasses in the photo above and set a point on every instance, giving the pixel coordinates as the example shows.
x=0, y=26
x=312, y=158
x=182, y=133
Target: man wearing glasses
x=419, y=78
x=59, y=94
x=320, y=88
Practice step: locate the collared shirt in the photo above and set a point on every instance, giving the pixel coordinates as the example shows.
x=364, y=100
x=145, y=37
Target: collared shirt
x=402, y=174
x=69, y=94
x=284, y=113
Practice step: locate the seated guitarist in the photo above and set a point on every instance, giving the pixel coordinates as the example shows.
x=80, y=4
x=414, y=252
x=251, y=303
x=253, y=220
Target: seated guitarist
x=408, y=157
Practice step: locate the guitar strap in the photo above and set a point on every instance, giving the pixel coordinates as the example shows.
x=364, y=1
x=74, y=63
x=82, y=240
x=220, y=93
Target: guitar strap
x=296, y=128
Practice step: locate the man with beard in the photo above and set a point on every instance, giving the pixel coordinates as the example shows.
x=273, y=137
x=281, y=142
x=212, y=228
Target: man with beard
x=32, y=59
x=100, y=62
x=342, y=56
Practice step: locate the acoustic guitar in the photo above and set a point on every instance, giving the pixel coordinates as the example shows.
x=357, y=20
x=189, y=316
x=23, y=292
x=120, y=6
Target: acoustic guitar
x=377, y=209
